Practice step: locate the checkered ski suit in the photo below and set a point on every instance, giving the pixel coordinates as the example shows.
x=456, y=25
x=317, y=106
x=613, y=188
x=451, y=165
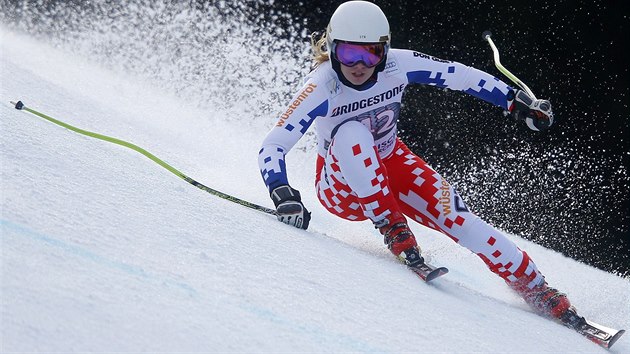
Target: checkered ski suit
x=364, y=171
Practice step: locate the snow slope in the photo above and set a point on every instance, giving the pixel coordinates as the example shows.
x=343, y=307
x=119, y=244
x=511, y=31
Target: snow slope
x=105, y=251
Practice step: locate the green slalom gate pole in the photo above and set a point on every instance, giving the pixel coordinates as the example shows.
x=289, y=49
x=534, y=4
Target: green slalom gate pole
x=20, y=106
x=486, y=36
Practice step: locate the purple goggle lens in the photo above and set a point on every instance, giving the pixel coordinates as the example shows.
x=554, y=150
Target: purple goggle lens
x=350, y=54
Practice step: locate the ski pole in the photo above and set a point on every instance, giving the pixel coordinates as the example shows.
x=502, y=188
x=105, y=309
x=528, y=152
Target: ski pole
x=20, y=106
x=486, y=36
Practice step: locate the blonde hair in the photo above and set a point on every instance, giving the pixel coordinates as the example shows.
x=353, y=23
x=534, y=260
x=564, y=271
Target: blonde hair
x=318, y=46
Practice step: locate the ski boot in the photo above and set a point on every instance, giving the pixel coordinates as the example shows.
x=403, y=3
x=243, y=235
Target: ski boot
x=555, y=305
x=399, y=239
x=544, y=299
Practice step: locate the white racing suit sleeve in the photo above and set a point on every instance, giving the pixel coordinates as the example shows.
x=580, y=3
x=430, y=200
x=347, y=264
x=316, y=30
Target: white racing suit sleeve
x=425, y=69
x=309, y=103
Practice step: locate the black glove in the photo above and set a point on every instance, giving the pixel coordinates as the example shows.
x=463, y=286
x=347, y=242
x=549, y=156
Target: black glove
x=289, y=206
x=536, y=113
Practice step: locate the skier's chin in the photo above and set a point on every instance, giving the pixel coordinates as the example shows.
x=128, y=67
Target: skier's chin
x=357, y=75
x=358, y=79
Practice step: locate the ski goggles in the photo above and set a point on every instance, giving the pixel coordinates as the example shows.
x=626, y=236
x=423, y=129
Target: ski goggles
x=350, y=54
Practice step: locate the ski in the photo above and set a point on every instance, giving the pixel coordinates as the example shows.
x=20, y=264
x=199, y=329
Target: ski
x=601, y=335
x=428, y=272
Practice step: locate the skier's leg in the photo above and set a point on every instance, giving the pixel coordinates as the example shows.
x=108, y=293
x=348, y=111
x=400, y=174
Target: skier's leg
x=429, y=199
x=352, y=183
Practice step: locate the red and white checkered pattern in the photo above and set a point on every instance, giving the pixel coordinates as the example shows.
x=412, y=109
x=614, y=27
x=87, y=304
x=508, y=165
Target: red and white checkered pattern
x=404, y=182
x=354, y=162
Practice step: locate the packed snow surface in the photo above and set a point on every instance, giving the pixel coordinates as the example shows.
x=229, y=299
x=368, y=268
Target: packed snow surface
x=105, y=251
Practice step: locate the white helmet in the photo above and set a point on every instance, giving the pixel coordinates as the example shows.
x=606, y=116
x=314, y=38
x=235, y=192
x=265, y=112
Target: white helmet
x=360, y=22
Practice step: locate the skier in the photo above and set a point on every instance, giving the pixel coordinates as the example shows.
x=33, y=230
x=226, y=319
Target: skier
x=364, y=171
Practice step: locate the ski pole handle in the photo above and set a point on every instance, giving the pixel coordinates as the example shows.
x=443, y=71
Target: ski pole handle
x=486, y=36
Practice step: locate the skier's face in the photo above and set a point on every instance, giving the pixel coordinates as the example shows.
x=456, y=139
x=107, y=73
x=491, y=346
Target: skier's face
x=358, y=74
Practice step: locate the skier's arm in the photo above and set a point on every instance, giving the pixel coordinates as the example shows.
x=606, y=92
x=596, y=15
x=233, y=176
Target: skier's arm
x=309, y=103
x=425, y=69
